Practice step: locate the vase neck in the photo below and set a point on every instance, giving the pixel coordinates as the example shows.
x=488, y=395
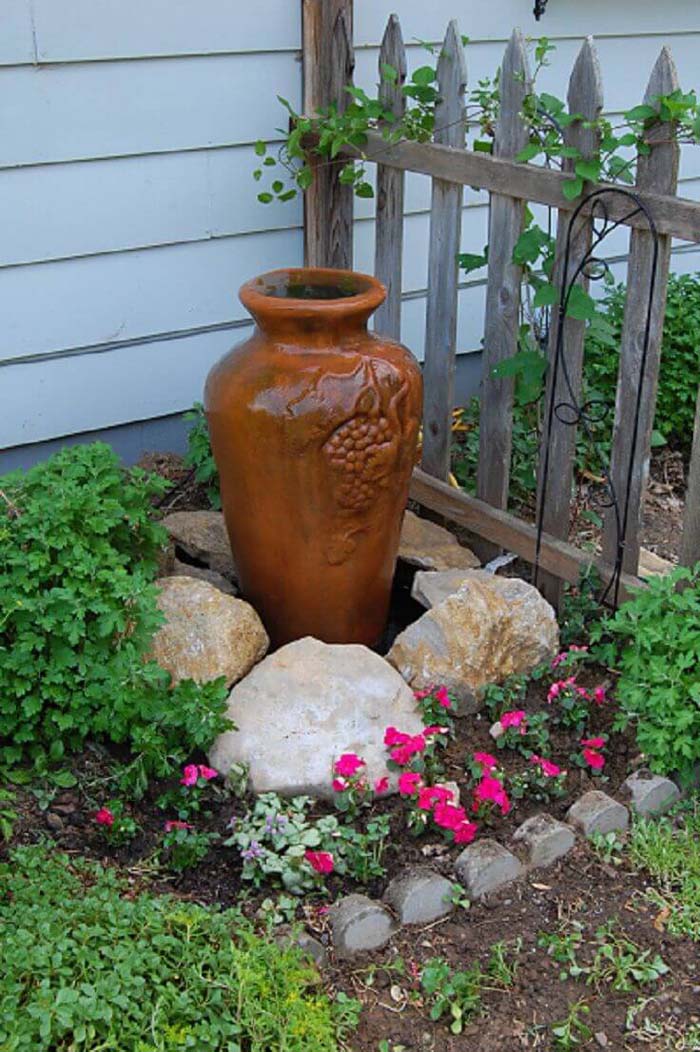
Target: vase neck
x=312, y=305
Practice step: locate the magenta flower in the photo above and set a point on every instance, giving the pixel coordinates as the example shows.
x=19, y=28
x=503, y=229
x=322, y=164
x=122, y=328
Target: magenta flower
x=514, y=718
x=434, y=728
x=175, y=823
x=381, y=785
x=599, y=695
x=448, y=816
x=595, y=760
x=339, y=785
x=404, y=753
x=595, y=743
x=104, y=817
x=548, y=768
x=490, y=790
x=420, y=694
x=190, y=774
x=348, y=764
x=443, y=698
x=465, y=832
x=321, y=861
x=485, y=760
x=208, y=773
x=409, y=783
x=430, y=795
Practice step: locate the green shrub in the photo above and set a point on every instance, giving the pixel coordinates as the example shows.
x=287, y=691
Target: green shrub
x=680, y=357
x=199, y=455
x=655, y=646
x=78, y=557
x=87, y=964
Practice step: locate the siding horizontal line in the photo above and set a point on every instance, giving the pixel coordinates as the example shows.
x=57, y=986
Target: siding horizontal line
x=86, y=60
x=101, y=60
x=129, y=249
x=116, y=345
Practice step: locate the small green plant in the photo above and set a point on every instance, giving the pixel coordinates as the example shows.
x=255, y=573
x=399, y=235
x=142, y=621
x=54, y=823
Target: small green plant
x=78, y=558
x=8, y=815
x=115, y=822
x=610, y=959
x=542, y=780
x=183, y=846
x=187, y=976
x=655, y=646
x=607, y=846
x=523, y=732
x=456, y=994
x=199, y=454
x=572, y=1031
x=563, y=945
x=669, y=850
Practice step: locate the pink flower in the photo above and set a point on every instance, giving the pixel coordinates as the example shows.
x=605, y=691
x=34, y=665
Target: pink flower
x=490, y=790
x=514, y=718
x=433, y=794
x=485, y=760
x=339, y=785
x=434, y=729
x=321, y=861
x=443, y=698
x=208, y=773
x=190, y=774
x=394, y=737
x=595, y=743
x=447, y=816
x=348, y=764
x=174, y=823
x=409, y=783
x=403, y=754
x=599, y=695
x=104, y=817
x=594, y=759
x=556, y=688
x=559, y=659
x=546, y=766
x=381, y=785
x=420, y=694
x=465, y=832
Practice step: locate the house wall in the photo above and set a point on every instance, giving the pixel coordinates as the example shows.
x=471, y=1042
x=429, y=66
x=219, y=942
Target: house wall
x=128, y=215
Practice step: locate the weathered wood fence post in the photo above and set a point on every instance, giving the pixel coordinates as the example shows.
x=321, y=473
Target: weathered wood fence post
x=328, y=64
x=443, y=268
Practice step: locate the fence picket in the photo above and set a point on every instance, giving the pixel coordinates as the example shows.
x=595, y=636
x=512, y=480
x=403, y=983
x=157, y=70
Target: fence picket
x=690, y=544
x=659, y=173
x=329, y=62
x=503, y=288
x=585, y=97
x=443, y=271
x=390, y=189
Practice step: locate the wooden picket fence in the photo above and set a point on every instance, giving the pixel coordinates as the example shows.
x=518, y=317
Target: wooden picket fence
x=328, y=65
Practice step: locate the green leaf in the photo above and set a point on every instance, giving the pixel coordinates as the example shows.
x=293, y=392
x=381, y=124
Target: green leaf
x=470, y=261
x=528, y=152
x=277, y=186
x=265, y=198
x=424, y=76
x=589, y=170
x=64, y=779
x=260, y=148
x=657, y=439
x=483, y=146
x=388, y=73
x=572, y=188
x=580, y=304
x=640, y=113
x=546, y=296
x=364, y=190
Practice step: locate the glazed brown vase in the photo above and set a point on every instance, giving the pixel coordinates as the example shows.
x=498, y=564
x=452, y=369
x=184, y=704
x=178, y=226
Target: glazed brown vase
x=314, y=422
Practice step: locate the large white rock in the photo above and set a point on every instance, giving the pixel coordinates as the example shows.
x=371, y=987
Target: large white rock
x=305, y=705
x=431, y=547
x=206, y=634
x=491, y=628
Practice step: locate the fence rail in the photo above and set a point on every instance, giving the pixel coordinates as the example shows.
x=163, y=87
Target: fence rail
x=511, y=185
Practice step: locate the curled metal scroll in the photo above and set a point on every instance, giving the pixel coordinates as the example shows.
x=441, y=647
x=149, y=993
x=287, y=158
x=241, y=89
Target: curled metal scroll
x=568, y=412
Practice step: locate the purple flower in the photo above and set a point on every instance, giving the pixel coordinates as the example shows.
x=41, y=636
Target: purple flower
x=252, y=852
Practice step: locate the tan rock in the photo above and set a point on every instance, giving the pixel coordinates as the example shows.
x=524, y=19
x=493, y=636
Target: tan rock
x=202, y=535
x=430, y=587
x=207, y=634
x=491, y=628
x=307, y=704
x=431, y=547
x=652, y=565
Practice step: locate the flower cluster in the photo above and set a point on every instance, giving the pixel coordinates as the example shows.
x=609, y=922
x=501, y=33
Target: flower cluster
x=435, y=801
x=350, y=783
x=573, y=701
x=592, y=754
x=569, y=657
x=523, y=732
x=489, y=792
x=436, y=706
x=193, y=773
x=187, y=797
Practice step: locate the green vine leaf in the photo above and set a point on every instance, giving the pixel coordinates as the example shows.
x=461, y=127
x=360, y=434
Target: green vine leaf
x=580, y=305
x=546, y=296
x=572, y=188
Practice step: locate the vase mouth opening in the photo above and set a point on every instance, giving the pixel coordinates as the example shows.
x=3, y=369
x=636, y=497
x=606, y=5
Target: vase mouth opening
x=312, y=291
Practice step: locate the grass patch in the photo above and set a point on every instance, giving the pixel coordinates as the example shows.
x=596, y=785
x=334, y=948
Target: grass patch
x=669, y=850
x=88, y=964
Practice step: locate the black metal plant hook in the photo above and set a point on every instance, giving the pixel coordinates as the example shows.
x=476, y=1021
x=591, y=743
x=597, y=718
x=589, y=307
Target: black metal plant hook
x=569, y=413
x=539, y=10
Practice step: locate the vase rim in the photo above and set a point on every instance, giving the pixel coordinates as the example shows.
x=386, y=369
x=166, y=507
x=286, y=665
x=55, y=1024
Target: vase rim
x=309, y=292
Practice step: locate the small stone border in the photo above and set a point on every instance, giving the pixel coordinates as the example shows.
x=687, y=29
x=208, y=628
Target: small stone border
x=422, y=896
